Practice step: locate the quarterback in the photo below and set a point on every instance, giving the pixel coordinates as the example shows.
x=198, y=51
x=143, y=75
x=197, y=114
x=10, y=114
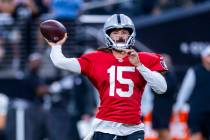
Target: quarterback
x=120, y=74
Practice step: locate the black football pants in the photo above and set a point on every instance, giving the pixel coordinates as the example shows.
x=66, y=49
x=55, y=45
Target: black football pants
x=139, y=135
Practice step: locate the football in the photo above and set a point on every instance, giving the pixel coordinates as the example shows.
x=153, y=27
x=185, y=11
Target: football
x=52, y=30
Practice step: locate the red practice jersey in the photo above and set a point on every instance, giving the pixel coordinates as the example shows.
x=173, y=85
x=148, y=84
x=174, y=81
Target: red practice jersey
x=119, y=83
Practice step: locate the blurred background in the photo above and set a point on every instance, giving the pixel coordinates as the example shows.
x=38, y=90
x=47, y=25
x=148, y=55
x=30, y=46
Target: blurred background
x=41, y=102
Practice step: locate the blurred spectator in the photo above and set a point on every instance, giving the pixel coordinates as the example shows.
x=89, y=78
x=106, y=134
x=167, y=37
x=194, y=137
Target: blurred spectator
x=65, y=9
x=195, y=90
x=67, y=107
x=9, y=32
x=26, y=15
x=85, y=106
x=7, y=6
x=29, y=10
x=3, y=112
x=58, y=120
x=67, y=12
x=2, y=48
x=162, y=104
x=17, y=18
x=26, y=116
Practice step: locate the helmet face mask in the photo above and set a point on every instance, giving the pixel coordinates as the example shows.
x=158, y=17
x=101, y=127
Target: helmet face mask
x=119, y=21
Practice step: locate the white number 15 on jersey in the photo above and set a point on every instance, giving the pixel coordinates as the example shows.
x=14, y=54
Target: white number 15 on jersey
x=119, y=71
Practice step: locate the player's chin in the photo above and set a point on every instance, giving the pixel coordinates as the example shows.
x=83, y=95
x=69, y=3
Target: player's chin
x=118, y=49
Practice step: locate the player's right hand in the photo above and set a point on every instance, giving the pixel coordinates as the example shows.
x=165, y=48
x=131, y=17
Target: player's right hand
x=60, y=42
x=133, y=57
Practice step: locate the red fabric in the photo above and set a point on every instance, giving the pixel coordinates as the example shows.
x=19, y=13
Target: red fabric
x=123, y=104
x=154, y=62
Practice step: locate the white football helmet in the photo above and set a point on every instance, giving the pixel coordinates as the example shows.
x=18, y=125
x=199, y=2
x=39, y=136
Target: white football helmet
x=118, y=21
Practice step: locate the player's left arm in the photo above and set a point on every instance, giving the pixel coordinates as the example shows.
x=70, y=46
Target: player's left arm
x=154, y=78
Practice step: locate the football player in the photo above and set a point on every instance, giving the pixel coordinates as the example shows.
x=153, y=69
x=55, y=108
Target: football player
x=120, y=74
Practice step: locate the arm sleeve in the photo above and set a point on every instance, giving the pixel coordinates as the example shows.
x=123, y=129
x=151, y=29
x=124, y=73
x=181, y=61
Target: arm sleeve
x=186, y=88
x=154, y=79
x=60, y=61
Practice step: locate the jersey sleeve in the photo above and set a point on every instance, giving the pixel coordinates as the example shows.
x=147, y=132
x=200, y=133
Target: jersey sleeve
x=86, y=63
x=153, y=61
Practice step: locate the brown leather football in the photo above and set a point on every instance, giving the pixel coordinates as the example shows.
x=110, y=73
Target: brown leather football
x=52, y=30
